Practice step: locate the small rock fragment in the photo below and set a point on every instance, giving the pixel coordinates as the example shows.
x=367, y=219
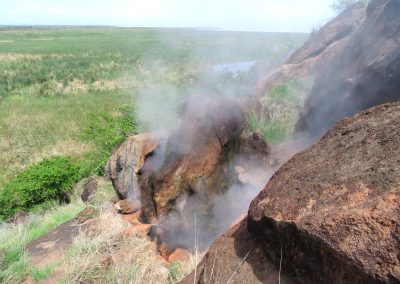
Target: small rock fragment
x=128, y=206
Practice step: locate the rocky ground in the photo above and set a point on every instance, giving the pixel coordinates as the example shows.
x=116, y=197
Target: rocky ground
x=329, y=215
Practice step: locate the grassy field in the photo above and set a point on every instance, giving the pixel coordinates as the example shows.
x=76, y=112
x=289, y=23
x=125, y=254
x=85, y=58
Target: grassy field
x=55, y=84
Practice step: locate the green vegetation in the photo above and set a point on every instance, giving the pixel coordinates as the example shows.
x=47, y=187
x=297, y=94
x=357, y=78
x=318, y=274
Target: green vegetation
x=174, y=272
x=51, y=179
x=15, y=264
x=85, y=127
x=282, y=105
x=72, y=92
x=13, y=238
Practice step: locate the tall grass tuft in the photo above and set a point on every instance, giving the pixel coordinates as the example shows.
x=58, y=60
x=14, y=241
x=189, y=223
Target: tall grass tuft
x=282, y=105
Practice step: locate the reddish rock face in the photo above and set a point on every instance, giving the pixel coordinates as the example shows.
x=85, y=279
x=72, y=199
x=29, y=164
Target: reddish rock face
x=128, y=206
x=331, y=214
x=179, y=255
x=365, y=73
x=318, y=52
x=334, y=209
x=176, y=178
x=198, y=152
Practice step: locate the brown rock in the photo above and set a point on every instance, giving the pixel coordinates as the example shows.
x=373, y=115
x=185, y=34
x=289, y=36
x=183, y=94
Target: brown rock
x=183, y=173
x=142, y=230
x=49, y=248
x=179, y=255
x=236, y=257
x=89, y=190
x=196, y=152
x=130, y=230
x=133, y=218
x=334, y=209
x=318, y=51
x=164, y=250
x=128, y=206
x=164, y=262
x=86, y=214
x=128, y=160
x=364, y=74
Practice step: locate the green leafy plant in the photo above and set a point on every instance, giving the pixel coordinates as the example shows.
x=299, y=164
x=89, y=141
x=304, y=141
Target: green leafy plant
x=51, y=179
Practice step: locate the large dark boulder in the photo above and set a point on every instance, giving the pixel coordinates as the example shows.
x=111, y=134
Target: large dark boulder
x=365, y=73
x=333, y=210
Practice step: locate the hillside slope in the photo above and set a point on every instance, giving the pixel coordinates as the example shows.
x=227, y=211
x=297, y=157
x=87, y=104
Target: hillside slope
x=366, y=73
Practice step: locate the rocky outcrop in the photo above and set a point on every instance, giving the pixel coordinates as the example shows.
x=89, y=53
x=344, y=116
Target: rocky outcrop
x=334, y=209
x=180, y=180
x=318, y=51
x=331, y=214
x=128, y=160
x=197, y=154
x=365, y=73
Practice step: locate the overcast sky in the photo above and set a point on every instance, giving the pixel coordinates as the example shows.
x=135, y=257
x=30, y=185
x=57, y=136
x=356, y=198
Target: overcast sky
x=256, y=15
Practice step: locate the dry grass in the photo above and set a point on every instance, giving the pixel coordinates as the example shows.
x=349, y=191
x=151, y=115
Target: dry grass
x=11, y=57
x=13, y=237
x=104, y=254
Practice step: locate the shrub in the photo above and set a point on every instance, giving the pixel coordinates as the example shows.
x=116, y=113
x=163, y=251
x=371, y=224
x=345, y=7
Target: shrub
x=51, y=179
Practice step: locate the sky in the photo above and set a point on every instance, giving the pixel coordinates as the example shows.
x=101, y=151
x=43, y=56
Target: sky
x=244, y=15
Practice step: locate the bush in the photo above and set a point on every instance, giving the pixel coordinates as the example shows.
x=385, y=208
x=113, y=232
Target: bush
x=51, y=179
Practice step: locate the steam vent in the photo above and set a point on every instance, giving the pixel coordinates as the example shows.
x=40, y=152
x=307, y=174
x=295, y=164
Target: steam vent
x=197, y=177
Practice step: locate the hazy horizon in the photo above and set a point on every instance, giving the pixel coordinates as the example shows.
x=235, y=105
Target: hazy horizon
x=251, y=15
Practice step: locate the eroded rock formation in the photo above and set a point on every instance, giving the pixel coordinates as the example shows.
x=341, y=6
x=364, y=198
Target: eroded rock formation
x=180, y=180
x=318, y=51
x=365, y=73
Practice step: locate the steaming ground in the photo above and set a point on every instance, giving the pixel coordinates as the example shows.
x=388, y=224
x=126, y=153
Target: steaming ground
x=198, y=219
x=199, y=225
